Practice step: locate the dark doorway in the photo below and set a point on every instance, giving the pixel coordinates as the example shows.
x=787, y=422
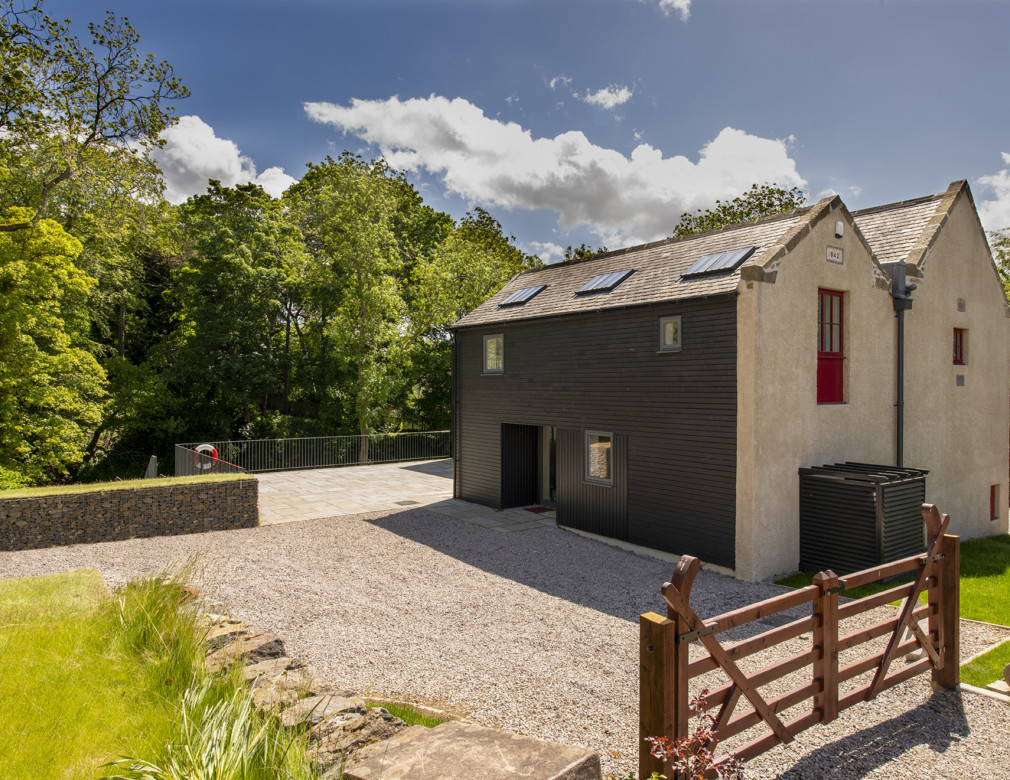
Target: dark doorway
x=549, y=465
x=519, y=464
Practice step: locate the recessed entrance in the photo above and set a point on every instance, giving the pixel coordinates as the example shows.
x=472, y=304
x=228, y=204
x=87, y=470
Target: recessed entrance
x=549, y=466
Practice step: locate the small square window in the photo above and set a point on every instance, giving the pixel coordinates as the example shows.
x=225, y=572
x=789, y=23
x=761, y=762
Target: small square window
x=669, y=334
x=599, y=457
x=494, y=354
x=960, y=346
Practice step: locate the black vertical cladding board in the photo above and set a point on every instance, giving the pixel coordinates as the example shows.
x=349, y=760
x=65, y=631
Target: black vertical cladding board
x=519, y=464
x=676, y=412
x=598, y=509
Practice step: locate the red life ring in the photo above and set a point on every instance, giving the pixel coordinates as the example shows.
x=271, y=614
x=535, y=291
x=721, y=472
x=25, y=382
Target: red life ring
x=202, y=463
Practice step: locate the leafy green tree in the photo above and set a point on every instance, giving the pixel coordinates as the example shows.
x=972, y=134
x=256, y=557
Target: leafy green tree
x=347, y=210
x=233, y=298
x=999, y=241
x=64, y=105
x=761, y=200
x=581, y=252
x=51, y=386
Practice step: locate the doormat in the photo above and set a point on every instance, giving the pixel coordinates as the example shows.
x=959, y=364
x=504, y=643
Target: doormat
x=538, y=509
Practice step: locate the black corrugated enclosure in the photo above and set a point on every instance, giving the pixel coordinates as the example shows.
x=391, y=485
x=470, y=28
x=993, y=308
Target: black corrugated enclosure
x=857, y=515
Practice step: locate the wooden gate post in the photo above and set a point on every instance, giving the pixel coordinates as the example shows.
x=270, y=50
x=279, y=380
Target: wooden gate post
x=949, y=674
x=655, y=714
x=826, y=640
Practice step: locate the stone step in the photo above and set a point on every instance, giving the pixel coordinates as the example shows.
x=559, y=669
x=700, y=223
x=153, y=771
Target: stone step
x=468, y=752
x=1000, y=686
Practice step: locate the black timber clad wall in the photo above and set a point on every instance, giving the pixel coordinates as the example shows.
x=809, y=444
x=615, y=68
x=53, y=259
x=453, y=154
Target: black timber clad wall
x=603, y=371
x=598, y=509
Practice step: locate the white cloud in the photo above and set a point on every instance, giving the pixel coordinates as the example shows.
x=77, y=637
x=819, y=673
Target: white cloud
x=500, y=164
x=995, y=213
x=193, y=153
x=563, y=81
x=608, y=97
x=513, y=98
x=547, y=251
x=683, y=7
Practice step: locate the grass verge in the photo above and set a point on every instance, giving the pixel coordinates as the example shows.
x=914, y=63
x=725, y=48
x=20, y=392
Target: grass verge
x=987, y=668
x=408, y=714
x=126, y=484
x=985, y=581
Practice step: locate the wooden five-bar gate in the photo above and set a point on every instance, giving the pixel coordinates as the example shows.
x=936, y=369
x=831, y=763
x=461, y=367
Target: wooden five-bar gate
x=667, y=671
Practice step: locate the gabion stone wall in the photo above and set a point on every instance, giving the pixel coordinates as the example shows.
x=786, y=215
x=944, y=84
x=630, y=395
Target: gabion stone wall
x=112, y=515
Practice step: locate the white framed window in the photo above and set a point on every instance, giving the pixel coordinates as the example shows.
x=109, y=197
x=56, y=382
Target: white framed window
x=669, y=334
x=600, y=457
x=494, y=354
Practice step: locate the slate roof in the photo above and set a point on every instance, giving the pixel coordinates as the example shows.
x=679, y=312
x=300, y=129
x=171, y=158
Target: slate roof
x=657, y=271
x=893, y=232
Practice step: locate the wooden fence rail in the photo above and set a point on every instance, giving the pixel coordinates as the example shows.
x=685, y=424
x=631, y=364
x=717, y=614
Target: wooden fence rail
x=667, y=670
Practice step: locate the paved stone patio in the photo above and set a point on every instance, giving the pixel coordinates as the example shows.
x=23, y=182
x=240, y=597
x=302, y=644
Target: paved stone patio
x=289, y=496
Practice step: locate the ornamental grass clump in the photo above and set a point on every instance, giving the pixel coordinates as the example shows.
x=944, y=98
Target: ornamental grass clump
x=158, y=624
x=223, y=739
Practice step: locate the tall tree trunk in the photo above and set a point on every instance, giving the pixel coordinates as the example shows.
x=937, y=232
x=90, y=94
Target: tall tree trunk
x=122, y=329
x=362, y=419
x=287, y=359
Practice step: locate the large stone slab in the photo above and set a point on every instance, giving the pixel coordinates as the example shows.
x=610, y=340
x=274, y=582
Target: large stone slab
x=468, y=752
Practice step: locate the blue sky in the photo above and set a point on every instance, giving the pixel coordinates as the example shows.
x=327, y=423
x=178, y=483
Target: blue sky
x=590, y=120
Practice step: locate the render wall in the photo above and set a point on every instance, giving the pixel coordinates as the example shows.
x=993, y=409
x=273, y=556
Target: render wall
x=781, y=425
x=674, y=412
x=959, y=432
x=127, y=513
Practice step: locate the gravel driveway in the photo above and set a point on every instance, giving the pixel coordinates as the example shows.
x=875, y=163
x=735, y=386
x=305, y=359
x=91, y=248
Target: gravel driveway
x=535, y=632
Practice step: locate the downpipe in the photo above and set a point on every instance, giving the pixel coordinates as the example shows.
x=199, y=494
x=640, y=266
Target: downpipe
x=900, y=297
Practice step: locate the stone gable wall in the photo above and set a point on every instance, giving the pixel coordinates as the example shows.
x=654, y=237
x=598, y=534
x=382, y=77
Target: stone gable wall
x=113, y=515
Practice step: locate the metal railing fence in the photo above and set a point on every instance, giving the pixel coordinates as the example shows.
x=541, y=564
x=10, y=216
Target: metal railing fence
x=255, y=455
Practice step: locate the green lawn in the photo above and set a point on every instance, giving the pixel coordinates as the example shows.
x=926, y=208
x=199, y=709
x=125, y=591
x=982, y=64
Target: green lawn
x=87, y=678
x=985, y=596
x=71, y=699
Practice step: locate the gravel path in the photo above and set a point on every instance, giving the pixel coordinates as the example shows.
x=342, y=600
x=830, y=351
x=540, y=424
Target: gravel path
x=535, y=632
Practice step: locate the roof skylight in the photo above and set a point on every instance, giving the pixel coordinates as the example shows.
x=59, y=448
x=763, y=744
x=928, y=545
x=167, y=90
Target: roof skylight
x=720, y=262
x=604, y=282
x=520, y=297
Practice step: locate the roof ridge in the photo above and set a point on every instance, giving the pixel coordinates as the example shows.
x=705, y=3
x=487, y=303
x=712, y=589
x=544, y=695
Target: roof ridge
x=675, y=239
x=898, y=204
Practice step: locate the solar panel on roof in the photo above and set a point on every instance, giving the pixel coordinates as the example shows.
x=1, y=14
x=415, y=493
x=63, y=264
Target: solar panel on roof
x=604, y=282
x=720, y=262
x=521, y=296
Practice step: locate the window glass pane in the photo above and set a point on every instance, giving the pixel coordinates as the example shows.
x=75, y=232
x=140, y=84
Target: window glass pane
x=494, y=358
x=825, y=344
x=836, y=338
x=598, y=456
x=669, y=333
x=836, y=309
